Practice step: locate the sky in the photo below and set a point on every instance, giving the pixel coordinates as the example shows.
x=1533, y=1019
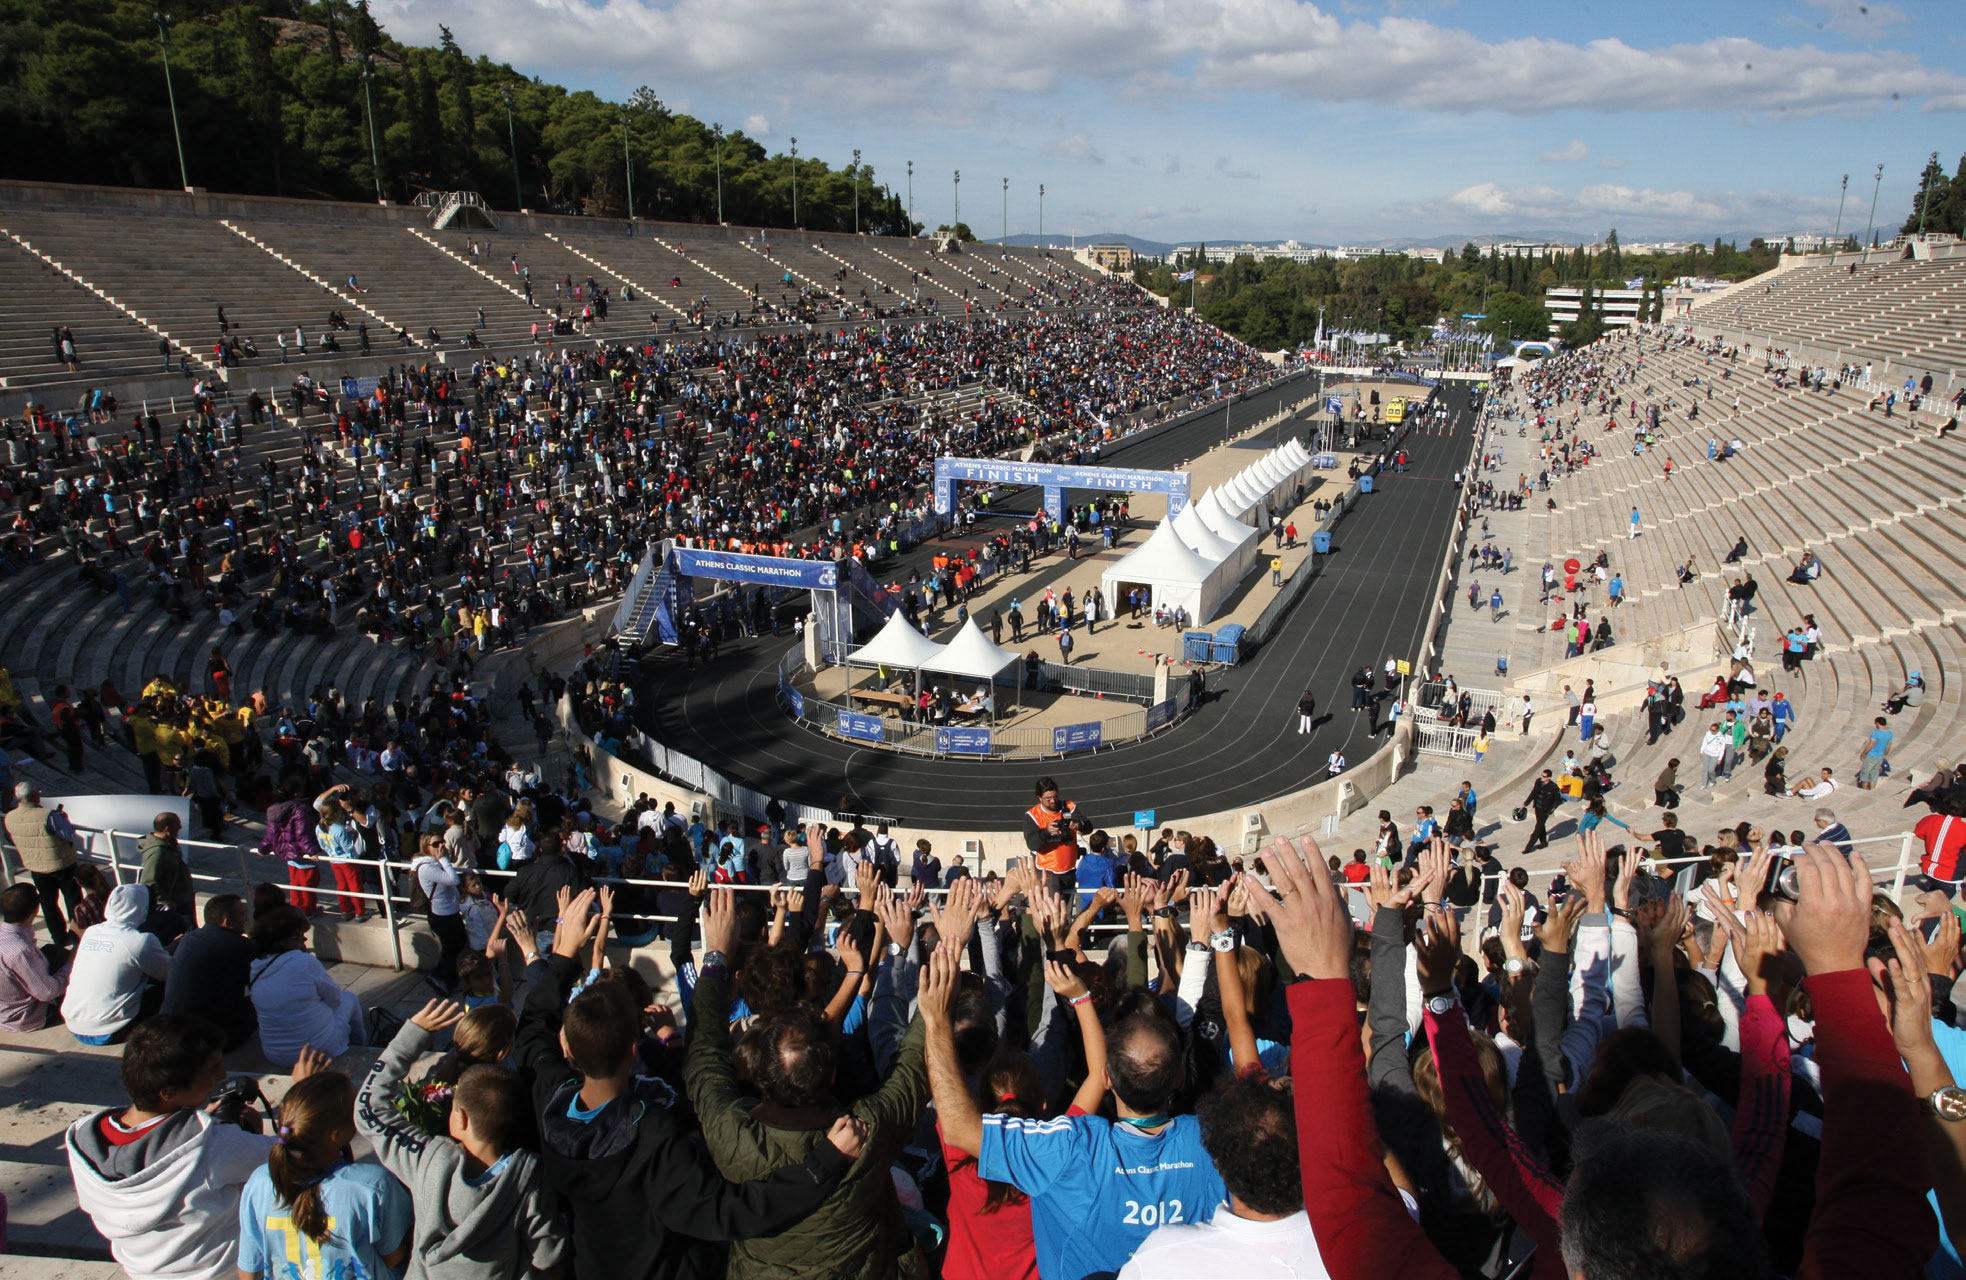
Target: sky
x=1341, y=121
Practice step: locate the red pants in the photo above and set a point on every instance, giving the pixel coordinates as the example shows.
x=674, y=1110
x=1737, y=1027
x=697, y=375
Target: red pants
x=299, y=880
x=348, y=879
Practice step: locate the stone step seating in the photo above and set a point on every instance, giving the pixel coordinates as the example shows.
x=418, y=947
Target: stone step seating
x=949, y=273
x=870, y=271
x=655, y=262
x=1881, y=311
x=817, y=269
x=176, y=272
x=34, y=299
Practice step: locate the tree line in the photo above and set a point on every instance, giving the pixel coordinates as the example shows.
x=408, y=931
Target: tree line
x=316, y=100
x=1275, y=302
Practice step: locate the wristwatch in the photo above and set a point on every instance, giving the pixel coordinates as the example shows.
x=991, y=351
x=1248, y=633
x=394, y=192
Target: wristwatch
x=1223, y=941
x=711, y=958
x=1515, y=964
x=1441, y=1004
x=1201, y=947
x=1166, y=913
x=1947, y=1104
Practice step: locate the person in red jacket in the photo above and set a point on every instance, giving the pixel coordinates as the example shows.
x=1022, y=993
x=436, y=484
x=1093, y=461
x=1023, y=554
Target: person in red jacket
x=1632, y=1197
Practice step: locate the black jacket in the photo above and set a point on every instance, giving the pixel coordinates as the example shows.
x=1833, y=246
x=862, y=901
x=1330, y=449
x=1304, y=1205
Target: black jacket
x=209, y=971
x=1544, y=797
x=643, y=1199
x=535, y=889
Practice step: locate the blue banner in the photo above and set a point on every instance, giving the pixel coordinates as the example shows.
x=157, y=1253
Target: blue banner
x=1334, y=405
x=1076, y=737
x=1143, y=819
x=735, y=566
x=962, y=742
x=951, y=471
x=865, y=728
x=797, y=701
x=1161, y=713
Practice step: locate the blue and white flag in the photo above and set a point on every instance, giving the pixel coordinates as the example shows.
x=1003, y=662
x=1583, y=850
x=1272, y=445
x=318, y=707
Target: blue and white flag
x=1184, y=277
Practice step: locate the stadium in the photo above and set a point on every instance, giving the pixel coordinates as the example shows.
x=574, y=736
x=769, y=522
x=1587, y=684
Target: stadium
x=468, y=537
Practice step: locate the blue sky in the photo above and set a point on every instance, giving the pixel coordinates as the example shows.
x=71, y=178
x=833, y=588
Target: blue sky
x=1341, y=121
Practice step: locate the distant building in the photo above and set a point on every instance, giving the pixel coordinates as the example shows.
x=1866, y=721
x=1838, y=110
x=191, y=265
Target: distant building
x=1618, y=308
x=1116, y=256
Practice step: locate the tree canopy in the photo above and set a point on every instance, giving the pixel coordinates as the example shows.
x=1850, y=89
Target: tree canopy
x=274, y=98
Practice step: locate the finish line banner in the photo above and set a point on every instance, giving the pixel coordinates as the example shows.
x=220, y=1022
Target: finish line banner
x=735, y=566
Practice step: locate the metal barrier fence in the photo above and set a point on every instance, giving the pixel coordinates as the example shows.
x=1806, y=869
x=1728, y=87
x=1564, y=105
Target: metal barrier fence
x=1432, y=694
x=1300, y=581
x=1439, y=739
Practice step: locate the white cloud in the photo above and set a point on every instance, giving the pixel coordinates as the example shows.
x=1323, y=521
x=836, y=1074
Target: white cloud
x=1574, y=152
x=1856, y=19
x=757, y=126
x=850, y=55
x=1228, y=170
x=1592, y=208
x=1074, y=146
x=1611, y=164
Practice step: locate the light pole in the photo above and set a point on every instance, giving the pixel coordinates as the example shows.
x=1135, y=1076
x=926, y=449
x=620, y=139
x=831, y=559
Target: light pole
x=512, y=136
x=1925, y=198
x=164, y=21
x=368, y=100
x=959, y=207
x=719, y=131
x=1005, y=243
x=795, y=182
x=1876, y=183
x=856, y=191
x=911, y=199
x=1836, y=236
x=1041, y=217
x=628, y=169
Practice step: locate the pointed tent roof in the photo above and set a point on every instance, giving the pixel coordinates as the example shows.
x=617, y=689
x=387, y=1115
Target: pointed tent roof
x=1163, y=557
x=1218, y=517
x=1298, y=453
x=1201, y=539
x=897, y=645
x=970, y=654
x=1236, y=496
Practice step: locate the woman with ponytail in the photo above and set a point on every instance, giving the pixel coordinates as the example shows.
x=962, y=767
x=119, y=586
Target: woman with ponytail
x=311, y=1214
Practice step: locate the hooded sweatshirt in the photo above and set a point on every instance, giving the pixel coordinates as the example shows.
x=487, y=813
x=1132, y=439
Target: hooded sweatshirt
x=112, y=963
x=167, y=1202
x=497, y=1227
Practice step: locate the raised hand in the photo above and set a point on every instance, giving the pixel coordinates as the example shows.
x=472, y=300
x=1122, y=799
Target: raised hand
x=1828, y=925
x=1063, y=980
x=865, y=877
x=937, y=988
x=1942, y=952
x=1137, y=899
x=577, y=926
x=1257, y=900
x=894, y=916
x=1515, y=906
x=1751, y=877
x=311, y=1062
x=1437, y=950
x=1621, y=891
x=438, y=1014
x=1560, y=923
x=699, y=883
x=1911, y=992
x=1313, y=929
x=720, y=921
x=849, y=1134
x=606, y=897
x=1201, y=914
x=1586, y=870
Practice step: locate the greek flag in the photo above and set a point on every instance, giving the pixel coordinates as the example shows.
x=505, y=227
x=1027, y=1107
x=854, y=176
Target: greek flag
x=1184, y=277
x=1334, y=405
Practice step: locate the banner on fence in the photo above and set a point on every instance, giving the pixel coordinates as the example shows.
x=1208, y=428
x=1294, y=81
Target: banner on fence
x=1076, y=737
x=735, y=566
x=1161, y=713
x=962, y=742
x=796, y=701
x=864, y=728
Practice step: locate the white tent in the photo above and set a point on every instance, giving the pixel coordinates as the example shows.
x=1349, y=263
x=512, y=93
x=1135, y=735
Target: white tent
x=1210, y=545
x=1287, y=462
x=1216, y=515
x=897, y=645
x=1176, y=575
x=1240, y=496
x=970, y=655
x=1298, y=453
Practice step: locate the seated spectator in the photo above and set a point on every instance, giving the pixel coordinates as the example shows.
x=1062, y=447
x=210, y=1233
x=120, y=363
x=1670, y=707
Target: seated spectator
x=161, y=1178
x=479, y=1209
x=308, y=1201
x=164, y=869
x=211, y=969
x=119, y=970
x=299, y=1005
x=1250, y=1131
x=29, y=984
x=1815, y=788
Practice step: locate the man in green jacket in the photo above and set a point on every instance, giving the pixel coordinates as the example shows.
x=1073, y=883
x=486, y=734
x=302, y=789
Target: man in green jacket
x=858, y=1233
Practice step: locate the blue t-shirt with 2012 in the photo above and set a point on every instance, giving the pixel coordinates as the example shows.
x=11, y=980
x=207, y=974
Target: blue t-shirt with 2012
x=368, y=1216
x=1097, y=1188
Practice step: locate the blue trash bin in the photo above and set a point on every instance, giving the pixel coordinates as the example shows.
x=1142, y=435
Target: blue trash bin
x=1365, y=484
x=1321, y=542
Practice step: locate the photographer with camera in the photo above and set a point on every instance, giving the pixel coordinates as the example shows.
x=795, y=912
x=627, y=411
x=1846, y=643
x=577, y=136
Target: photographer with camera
x=1052, y=828
x=161, y=1178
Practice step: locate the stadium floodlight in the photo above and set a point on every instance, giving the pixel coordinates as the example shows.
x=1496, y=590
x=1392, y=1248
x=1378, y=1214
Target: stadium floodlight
x=368, y=101
x=959, y=207
x=628, y=168
x=1041, y=217
x=719, y=131
x=512, y=136
x=1871, y=226
x=795, y=182
x=1006, y=215
x=856, y=191
x=1836, y=236
x=164, y=21
x=911, y=199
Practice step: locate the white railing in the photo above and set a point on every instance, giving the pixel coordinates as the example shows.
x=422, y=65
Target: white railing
x=1436, y=739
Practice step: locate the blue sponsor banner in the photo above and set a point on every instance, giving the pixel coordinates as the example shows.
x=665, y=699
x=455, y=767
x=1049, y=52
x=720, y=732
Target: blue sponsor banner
x=951, y=471
x=1144, y=819
x=795, y=700
x=735, y=566
x=962, y=742
x=1334, y=405
x=865, y=728
x=1076, y=737
x=1161, y=713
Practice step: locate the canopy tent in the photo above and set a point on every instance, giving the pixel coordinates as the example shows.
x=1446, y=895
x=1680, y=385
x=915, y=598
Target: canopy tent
x=1175, y=575
x=969, y=655
x=897, y=645
x=1216, y=515
x=1239, y=496
x=1298, y=453
x=1212, y=546
x=1286, y=462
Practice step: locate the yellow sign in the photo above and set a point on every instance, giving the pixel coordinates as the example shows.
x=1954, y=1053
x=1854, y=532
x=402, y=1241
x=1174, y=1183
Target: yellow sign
x=1405, y=667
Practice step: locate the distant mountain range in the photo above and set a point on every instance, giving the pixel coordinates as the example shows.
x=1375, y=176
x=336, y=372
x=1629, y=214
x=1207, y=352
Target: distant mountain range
x=1161, y=248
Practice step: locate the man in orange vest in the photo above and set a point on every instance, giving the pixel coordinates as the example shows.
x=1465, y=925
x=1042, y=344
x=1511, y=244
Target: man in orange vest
x=1051, y=831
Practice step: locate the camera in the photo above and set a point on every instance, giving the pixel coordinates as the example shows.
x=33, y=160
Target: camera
x=230, y=1100
x=1782, y=880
